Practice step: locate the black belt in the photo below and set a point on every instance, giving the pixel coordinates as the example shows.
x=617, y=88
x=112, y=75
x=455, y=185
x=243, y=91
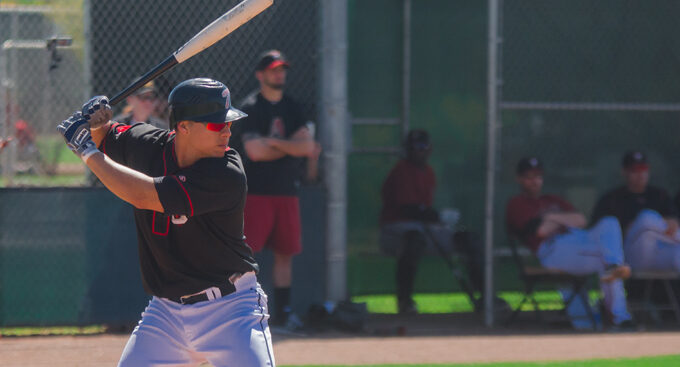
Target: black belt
x=203, y=296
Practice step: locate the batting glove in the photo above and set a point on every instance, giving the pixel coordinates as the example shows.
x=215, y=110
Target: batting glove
x=76, y=132
x=95, y=104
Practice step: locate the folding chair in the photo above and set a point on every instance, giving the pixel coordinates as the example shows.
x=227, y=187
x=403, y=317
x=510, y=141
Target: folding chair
x=532, y=276
x=646, y=305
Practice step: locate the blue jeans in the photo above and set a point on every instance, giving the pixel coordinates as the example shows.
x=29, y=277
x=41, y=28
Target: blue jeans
x=583, y=252
x=647, y=247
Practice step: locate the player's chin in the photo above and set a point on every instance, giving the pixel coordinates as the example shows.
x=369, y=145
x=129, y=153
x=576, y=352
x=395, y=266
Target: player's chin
x=219, y=150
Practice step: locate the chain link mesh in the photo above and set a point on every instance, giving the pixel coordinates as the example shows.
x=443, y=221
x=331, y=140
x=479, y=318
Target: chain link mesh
x=112, y=43
x=583, y=82
x=50, y=262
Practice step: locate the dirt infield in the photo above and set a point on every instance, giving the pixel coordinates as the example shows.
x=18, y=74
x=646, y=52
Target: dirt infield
x=427, y=339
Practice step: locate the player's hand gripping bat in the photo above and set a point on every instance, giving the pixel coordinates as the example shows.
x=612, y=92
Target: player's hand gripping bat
x=214, y=32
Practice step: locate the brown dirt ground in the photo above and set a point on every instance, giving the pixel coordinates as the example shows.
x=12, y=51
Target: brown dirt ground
x=424, y=339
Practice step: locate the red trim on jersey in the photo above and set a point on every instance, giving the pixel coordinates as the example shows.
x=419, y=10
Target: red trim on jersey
x=153, y=226
x=187, y=194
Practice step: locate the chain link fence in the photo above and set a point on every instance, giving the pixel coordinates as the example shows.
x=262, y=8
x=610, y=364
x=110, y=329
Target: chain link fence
x=53, y=58
x=583, y=82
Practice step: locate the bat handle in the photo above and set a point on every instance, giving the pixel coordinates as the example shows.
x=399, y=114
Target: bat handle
x=151, y=75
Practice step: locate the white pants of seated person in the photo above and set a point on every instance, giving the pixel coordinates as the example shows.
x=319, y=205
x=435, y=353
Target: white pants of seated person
x=589, y=251
x=648, y=248
x=228, y=331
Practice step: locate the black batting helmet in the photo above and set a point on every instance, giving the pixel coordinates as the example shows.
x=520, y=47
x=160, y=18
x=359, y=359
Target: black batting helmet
x=201, y=100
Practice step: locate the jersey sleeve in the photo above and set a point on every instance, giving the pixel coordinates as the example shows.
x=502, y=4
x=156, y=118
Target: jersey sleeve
x=123, y=142
x=211, y=184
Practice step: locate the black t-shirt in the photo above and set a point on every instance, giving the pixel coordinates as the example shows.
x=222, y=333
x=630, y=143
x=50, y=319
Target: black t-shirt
x=198, y=242
x=626, y=205
x=276, y=120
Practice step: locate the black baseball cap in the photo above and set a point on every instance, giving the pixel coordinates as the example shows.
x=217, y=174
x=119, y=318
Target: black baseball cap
x=270, y=60
x=529, y=164
x=634, y=159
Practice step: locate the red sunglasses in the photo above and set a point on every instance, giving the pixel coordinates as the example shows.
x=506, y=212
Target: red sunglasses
x=218, y=126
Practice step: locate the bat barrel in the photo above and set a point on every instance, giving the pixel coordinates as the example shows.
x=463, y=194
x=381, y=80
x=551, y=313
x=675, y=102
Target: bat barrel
x=222, y=26
x=150, y=75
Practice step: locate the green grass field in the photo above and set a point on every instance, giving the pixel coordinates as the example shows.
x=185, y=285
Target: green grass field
x=457, y=302
x=661, y=361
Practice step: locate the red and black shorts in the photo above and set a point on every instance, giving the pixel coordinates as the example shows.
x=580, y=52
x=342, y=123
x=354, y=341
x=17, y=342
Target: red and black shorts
x=273, y=221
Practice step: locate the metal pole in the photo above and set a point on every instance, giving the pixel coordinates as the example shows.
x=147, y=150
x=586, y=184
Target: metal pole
x=492, y=124
x=4, y=99
x=12, y=75
x=334, y=121
x=406, y=72
x=87, y=50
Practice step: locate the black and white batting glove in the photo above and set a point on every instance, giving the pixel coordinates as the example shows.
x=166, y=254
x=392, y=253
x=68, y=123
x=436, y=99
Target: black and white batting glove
x=76, y=132
x=95, y=104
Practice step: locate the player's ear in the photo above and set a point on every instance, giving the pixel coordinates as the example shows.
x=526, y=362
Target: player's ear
x=183, y=126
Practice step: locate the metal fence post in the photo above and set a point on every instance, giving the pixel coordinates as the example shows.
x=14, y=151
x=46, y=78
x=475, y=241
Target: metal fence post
x=334, y=118
x=492, y=123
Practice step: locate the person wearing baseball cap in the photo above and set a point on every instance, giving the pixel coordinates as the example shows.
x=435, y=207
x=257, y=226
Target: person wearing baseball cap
x=280, y=152
x=271, y=60
x=410, y=226
x=140, y=107
x=188, y=189
x=648, y=217
x=555, y=232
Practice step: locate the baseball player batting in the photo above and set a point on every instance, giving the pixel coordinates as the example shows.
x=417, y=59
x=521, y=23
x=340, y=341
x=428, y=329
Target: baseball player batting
x=188, y=189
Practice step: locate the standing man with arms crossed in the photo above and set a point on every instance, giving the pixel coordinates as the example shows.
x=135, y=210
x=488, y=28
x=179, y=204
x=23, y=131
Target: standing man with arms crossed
x=274, y=140
x=188, y=189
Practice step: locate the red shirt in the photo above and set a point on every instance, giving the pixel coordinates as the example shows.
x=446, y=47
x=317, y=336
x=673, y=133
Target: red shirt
x=406, y=184
x=522, y=211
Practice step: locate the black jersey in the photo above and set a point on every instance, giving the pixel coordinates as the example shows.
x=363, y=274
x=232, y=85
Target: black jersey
x=198, y=242
x=626, y=205
x=278, y=120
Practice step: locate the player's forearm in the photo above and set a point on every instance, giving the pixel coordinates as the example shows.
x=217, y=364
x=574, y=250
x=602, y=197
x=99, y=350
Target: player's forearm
x=312, y=169
x=99, y=133
x=574, y=220
x=548, y=229
x=133, y=187
x=554, y=223
x=296, y=148
x=258, y=150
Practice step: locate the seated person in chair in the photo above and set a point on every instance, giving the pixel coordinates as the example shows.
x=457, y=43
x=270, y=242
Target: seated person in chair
x=647, y=216
x=554, y=231
x=410, y=227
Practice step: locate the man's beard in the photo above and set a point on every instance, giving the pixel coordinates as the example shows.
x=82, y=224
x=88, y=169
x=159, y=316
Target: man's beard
x=277, y=86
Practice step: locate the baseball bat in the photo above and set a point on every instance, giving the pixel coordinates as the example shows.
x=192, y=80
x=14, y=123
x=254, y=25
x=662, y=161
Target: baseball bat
x=215, y=31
